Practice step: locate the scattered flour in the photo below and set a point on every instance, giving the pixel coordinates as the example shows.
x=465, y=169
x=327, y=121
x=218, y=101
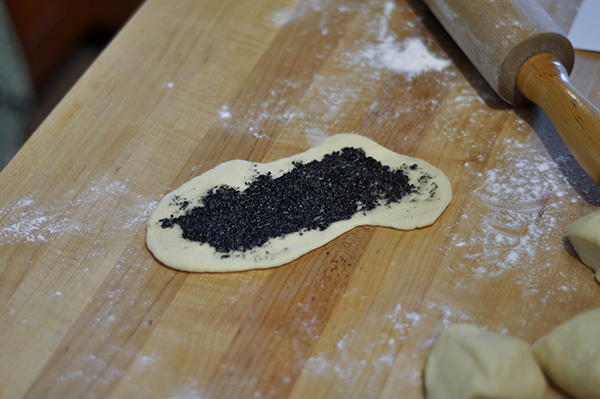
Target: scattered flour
x=27, y=221
x=446, y=314
x=520, y=215
x=403, y=321
x=314, y=136
x=280, y=17
x=361, y=355
x=332, y=98
x=224, y=112
x=409, y=57
x=145, y=361
x=190, y=391
x=519, y=219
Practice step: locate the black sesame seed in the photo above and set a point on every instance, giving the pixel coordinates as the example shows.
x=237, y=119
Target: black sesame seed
x=311, y=196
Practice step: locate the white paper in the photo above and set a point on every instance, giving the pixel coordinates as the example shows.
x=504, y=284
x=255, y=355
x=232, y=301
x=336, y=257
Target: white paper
x=585, y=31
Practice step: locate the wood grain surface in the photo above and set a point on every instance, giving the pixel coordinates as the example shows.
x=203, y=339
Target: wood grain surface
x=87, y=312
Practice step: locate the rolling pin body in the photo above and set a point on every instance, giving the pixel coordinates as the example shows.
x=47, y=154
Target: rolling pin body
x=545, y=82
x=524, y=56
x=498, y=36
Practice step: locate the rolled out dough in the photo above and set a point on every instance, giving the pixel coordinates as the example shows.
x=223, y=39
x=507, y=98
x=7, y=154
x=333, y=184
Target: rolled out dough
x=570, y=355
x=468, y=363
x=584, y=234
x=420, y=208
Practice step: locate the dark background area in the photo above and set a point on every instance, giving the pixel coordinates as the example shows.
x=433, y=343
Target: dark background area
x=56, y=41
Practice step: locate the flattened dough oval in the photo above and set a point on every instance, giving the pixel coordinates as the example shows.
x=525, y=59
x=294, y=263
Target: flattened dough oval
x=427, y=200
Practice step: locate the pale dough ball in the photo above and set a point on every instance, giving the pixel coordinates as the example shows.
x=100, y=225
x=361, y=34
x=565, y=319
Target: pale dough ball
x=584, y=234
x=466, y=362
x=570, y=355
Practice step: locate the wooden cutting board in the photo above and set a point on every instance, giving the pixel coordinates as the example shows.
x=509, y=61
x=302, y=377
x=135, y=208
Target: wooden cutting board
x=86, y=311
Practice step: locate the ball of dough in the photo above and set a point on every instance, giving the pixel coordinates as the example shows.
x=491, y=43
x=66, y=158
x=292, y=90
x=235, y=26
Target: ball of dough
x=570, y=355
x=584, y=234
x=466, y=362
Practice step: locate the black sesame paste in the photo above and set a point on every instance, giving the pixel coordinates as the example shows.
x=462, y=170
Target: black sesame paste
x=310, y=196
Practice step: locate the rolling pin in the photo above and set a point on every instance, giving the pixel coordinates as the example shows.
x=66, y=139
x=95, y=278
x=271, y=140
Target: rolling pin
x=525, y=57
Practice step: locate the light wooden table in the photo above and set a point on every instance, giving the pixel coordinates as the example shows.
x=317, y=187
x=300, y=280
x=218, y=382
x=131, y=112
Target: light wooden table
x=86, y=311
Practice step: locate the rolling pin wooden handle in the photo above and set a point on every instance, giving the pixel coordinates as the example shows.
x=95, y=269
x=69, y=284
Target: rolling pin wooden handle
x=544, y=81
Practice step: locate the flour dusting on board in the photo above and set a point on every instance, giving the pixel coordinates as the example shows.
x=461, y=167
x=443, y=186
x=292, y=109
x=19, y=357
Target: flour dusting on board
x=27, y=221
x=353, y=357
x=190, y=390
x=371, y=354
x=410, y=57
x=352, y=73
x=523, y=198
